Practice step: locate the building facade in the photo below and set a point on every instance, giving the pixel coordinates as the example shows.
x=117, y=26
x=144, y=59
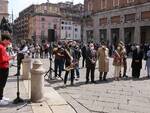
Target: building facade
x=3, y=9
x=71, y=24
x=39, y=25
x=70, y=30
x=34, y=21
x=115, y=20
x=70, y=11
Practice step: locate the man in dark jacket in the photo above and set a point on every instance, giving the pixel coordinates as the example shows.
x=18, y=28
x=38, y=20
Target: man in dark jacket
x=136, y=62
x=90, y=62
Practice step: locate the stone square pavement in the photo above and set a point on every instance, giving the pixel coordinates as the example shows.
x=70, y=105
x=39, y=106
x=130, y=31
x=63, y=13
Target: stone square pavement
x=124, y=96
x=53, y=102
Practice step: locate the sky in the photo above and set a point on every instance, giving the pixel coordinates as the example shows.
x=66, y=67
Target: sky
x=16, y=6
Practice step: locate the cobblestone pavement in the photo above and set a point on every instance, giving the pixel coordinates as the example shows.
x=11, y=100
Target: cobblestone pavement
x=124, y=96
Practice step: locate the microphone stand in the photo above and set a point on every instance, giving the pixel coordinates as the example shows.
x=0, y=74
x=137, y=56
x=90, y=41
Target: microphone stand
x=18, y=99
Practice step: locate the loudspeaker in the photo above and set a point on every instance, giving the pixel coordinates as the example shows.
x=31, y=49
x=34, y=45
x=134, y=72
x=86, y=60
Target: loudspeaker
x=51, y=35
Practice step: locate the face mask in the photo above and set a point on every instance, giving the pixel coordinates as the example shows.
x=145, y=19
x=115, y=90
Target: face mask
x=118, y=48
x=103, y=47
x=59, y=46
x=92, y=48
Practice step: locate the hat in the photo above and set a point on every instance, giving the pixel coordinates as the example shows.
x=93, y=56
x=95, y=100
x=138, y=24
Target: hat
x=121, y=43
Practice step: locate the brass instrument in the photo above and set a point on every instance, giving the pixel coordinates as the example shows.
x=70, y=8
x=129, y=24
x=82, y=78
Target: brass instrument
x=71, y=66
x=73, y=63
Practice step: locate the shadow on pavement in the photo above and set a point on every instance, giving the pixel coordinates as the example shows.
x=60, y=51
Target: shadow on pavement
x=109, y=80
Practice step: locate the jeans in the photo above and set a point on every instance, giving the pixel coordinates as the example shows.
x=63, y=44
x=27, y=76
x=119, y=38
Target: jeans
x=77, y=71
x=58, y=64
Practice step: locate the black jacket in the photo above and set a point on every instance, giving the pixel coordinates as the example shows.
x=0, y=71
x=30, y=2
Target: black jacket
x=137, y=59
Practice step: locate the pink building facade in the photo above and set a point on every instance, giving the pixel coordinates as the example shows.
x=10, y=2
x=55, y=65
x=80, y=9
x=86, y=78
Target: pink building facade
x=39, y=25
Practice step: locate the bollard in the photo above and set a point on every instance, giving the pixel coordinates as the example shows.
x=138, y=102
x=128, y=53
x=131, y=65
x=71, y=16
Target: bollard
x=37, y=82
x=26, y=68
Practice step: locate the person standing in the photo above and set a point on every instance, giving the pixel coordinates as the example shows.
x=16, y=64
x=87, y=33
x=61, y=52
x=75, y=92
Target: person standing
x=90, y=62
x=148, y=63
x=69, y=58
x=117, y=62
x=76, y=60
x=59, y=57
x=20, y=56
x=103, y=59
x=4, y=67
x=124, y=56
x=83, y=49
x=136, y=62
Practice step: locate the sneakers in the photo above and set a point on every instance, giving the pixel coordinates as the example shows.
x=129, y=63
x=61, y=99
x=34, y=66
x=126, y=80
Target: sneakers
x=4, y=102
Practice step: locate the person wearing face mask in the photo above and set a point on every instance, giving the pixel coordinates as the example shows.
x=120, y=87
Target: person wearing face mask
x=103, y=60
x=124, y=56
x=58, y=61
x=117, y=62
x=69, y=56
x=90, y=62
x=136, y=64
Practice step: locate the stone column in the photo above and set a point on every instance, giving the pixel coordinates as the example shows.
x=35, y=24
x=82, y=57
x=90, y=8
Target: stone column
x=96, y=29
x=121, y=34
x=96, y=35
x=26, y=68
x=84, y=34
x=137, y=35
x=37, y=82
x=109, y=34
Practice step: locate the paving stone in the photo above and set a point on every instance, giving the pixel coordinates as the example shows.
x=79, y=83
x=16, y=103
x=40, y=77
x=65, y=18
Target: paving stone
x=78, y=107
x=134, y=108
x=41, y=108
x=62, y=109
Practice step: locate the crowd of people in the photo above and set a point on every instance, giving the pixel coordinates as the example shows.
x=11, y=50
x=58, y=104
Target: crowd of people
x=67, y=54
